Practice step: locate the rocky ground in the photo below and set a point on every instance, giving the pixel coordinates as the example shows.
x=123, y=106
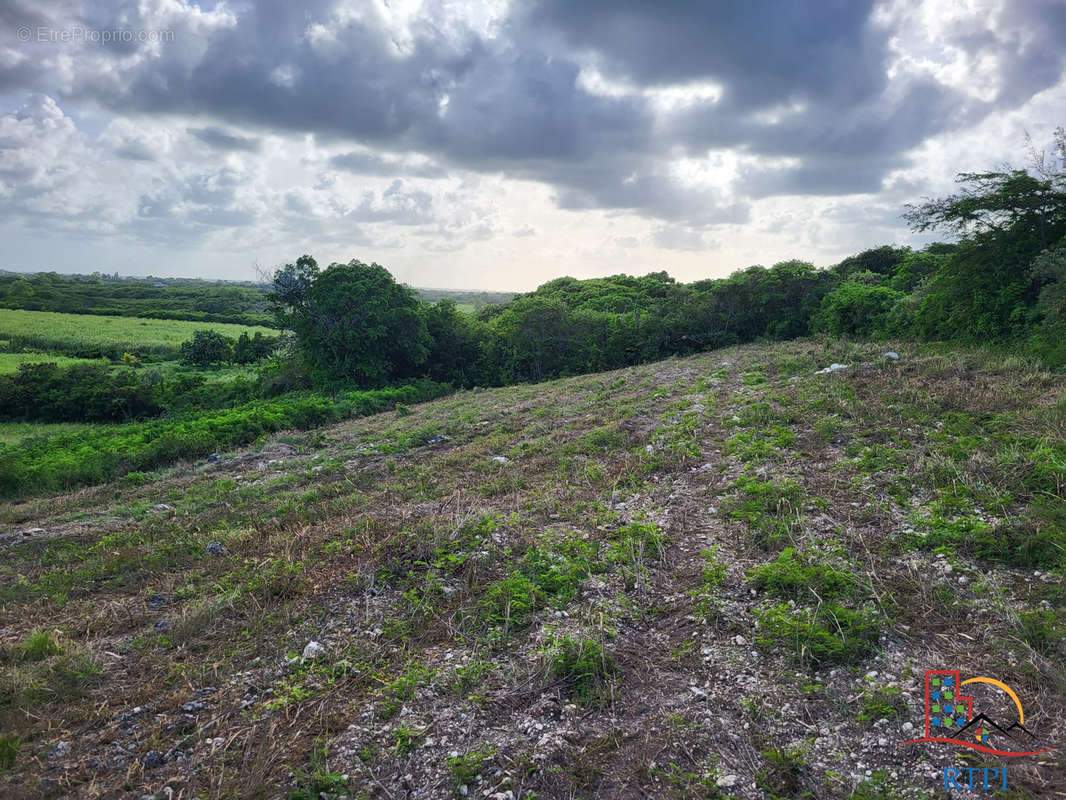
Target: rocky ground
x=722, y=576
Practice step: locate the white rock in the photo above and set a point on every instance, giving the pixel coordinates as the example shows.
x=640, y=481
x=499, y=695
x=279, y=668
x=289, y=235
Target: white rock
x=313, y=650
x=908, y=727
x=727, y=781
x=499, y=459
x=739, y=640
x=832, y=368
x=893, y=356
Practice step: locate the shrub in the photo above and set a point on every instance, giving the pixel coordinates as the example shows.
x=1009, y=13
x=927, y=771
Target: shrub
x=795, y=576
x=828, y=634
x=584, y=668
x=856, y=309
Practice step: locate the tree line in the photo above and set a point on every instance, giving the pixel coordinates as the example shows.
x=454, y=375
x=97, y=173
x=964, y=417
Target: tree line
x=1002, y=281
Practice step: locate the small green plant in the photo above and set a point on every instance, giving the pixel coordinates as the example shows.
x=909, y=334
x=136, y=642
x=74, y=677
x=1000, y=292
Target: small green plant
x=783, y=775
x=885, y=702
x=402, y=688
x=316, y=781
x=827, y=634
x=769, y=509
x=711, y=579
x=584, y=668
x=632, y=546
x=1043, y=631
x=9, y=750
x=37, y=646
x=406, y=739
x=465, y=768
x=403, y=410
x=508, y=604
x=796, y=576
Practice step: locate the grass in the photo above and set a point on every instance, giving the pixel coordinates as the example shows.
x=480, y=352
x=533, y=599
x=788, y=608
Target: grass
x=77, y=334
x=578, y=622
x=10, y=362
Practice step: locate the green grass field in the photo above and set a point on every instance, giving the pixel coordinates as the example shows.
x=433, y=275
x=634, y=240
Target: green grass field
x=10, y=362
x=15, y=432
x=72, y=333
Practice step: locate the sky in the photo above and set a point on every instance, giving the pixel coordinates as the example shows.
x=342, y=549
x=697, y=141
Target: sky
x=499, y=145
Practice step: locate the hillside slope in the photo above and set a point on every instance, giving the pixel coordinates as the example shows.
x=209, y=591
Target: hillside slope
x=721, y=576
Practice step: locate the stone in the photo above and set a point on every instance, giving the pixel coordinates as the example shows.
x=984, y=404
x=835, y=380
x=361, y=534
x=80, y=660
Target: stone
x=892, y=356
x=211, y=459
x=216, y=549
x=500, y=459
x=832, y=368
x=739, y=640
x=59, y=750
x=313, y=650
x=152, y=759
x=726, y=781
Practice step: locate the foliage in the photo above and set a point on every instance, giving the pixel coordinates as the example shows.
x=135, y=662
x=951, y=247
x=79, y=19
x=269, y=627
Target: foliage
x=856, y=309
x=91, y=456
x=207, y=348
x=826, y=634
x=353, y=322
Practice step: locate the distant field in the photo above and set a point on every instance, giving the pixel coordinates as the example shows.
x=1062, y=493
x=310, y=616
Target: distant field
x=84, y=334
x=15, y=432
x=10, y=362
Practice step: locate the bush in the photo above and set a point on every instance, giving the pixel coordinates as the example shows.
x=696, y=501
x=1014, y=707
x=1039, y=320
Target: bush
x=857, y=309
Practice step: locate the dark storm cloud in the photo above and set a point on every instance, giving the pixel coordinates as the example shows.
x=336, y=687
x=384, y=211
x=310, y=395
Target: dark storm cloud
x=804, y=82
x=763, y=53
x=221, y=140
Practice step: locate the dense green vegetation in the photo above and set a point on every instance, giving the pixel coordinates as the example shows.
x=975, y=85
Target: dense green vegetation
x=50, y=464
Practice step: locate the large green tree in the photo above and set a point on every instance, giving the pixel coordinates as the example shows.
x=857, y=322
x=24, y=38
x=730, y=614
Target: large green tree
x=353, y=322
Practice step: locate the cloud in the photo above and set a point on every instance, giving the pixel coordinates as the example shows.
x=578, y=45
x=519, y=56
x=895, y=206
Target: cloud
x=221, y=140
x=278, y=121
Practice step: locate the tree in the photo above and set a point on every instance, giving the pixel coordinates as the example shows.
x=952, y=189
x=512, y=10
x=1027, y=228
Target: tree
x=206, y=348
x=353, y=322
x=986, y=289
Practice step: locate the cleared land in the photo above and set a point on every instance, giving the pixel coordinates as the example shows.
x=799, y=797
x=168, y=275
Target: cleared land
x=48, y=330
x=721, y=576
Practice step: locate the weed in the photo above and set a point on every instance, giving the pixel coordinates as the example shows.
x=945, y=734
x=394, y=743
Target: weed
x=632, y=545
x=37, y=646
x=801, y=576
x=406, y=739
x=783, y=775
x=9, y=750
x=827, y=634
x=584, y=668
x=769, y=509
x=1044, y=631
x=402, y=688
x=881, y=703
x=465, y=768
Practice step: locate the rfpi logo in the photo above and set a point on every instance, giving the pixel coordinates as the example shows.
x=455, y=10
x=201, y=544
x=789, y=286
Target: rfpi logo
x=949, y=718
